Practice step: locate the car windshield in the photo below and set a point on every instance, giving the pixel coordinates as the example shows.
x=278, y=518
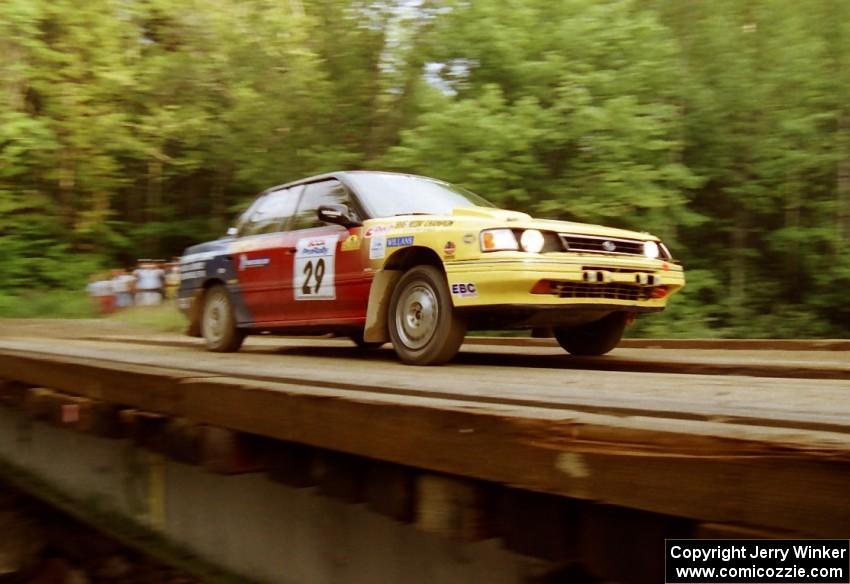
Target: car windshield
x=387, y=195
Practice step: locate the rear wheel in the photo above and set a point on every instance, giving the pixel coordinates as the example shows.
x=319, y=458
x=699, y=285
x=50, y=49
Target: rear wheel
x=594, y=338
x=218, y=323
x=423, y=325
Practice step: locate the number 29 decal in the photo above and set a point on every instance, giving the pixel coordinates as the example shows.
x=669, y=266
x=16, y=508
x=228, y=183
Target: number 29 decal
x=318, y=274
x=314, y=275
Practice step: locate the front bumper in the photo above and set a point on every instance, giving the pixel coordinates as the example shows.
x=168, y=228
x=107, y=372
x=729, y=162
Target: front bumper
x=564, y=280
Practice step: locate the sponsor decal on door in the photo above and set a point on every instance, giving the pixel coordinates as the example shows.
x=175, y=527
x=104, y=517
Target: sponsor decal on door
x=314, y=267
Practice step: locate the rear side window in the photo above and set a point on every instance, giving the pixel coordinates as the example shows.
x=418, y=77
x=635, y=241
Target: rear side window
x=328, y=192
x=271, y=213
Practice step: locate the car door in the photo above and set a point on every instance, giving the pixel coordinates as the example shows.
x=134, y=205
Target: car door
x=328, y=278
x=259, y=254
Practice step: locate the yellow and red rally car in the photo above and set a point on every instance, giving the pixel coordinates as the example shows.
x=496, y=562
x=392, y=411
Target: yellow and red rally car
x=416, y=261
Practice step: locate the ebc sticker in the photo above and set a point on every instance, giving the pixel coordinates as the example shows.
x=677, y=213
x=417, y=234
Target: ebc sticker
x=402, y=241
x=378, y=247
x=467, y=290
x=314, y=268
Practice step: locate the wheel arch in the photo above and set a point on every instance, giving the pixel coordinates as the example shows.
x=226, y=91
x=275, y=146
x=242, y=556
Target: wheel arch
x=414, y=255
x=384, y=282
x=197, y=308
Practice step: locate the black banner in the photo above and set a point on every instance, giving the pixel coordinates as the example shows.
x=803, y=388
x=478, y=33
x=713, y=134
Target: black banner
x=757, y=561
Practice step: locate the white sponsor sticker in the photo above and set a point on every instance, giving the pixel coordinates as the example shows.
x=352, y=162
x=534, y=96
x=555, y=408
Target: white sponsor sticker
x=377, y=247
x=376, y=230
x=245, y=262
x=314, y=269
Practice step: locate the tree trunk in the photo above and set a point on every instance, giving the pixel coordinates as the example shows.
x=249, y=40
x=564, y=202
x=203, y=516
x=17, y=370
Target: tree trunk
x=842, y=184
x=738, y=276
x=66, y=187
x=153, y=205
x=218, y=207
x=792, y=265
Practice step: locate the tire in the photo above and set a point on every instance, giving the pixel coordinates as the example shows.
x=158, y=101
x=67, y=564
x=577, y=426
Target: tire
x=423, y=325
x=594, y=338
x=363, y=344
x=218, y=324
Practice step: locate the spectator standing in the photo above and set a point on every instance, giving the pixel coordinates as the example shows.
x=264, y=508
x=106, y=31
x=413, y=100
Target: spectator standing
x=123, y=284
x=172, y=279
x=102, y=294
x=150, y=284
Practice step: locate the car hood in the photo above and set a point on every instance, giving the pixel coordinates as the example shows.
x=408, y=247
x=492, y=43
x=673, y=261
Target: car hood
x=514, y=219
x=215, y=246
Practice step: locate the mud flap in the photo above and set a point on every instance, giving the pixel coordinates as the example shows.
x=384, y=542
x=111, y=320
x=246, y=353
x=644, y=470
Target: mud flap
x=196, y=307
x=379, y=303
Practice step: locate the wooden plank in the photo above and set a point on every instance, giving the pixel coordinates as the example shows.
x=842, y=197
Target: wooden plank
x=733, y=531
x=455, y=507
x=540, y=525
x=769, y=477
x=12, y=392
x=146, y=429
x=106, y=420
x=292, y=465
x=37, y=403
x=226, y=451
x=626, y=545
x=60, y=409
x=149, y=388
x=390, y=490
x=673, y=344
x=183, y=441
x=670, y=466
x=341, y=476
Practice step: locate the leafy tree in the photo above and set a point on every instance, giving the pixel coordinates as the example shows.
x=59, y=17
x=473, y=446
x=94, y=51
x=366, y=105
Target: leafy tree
x=135, y=128
x=536, y=113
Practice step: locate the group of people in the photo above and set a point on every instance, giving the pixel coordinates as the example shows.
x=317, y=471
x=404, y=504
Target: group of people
x=149, y=284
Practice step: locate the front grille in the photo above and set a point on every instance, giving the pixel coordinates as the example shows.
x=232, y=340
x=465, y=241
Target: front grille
x=596, y=244
x=610, y=291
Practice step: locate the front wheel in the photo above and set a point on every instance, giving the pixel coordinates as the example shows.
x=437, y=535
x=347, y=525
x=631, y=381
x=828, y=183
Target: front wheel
x=594, y=338
x=218, y=324
x=423, y=325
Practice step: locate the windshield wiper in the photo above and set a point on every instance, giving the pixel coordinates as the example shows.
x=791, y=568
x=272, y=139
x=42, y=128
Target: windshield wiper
x=415, y=213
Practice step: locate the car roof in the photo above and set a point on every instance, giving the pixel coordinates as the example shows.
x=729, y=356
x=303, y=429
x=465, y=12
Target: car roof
x=340, y=175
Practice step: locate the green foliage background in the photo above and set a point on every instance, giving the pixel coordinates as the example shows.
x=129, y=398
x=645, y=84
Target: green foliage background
x=132, y=128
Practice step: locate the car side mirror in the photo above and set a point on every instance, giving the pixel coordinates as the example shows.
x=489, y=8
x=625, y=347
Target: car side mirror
x=337, y=214
x=232, y=231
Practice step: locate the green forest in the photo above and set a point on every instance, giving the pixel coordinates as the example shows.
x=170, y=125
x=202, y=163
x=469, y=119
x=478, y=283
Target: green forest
x=133, y=128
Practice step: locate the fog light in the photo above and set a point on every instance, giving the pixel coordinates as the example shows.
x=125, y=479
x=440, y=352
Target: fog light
x=542, y=287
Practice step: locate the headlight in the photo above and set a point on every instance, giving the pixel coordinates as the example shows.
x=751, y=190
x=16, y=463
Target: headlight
x=650, y=250
x=498, y=240
x=531, y=241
